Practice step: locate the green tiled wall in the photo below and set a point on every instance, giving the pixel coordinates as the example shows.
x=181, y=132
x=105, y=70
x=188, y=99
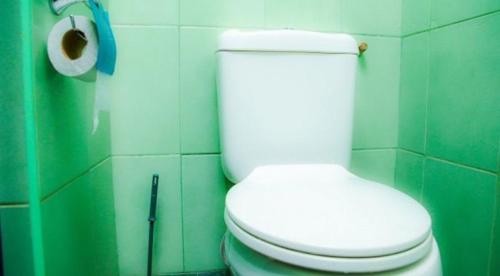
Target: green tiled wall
x=449, y=131
x=203, y=192
x=132, y=185
x=16, y=241
x=165, y=109
x=16, y=244
x=13, y=186
x=64, y=109
x=78, y=226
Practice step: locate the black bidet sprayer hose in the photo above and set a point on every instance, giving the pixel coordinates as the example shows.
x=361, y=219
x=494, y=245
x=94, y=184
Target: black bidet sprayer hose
x=152, y=220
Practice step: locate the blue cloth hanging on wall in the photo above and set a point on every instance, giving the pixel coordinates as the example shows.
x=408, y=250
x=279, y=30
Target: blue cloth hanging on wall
x=106, y=57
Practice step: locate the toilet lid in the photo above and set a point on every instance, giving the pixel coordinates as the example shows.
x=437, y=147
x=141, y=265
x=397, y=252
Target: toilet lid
x=326, y=210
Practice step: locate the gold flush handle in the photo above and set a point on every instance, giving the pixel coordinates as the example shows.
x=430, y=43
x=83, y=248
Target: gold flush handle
x=363, y=46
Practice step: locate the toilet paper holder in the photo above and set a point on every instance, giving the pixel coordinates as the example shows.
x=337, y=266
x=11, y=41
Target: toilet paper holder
x=58, y=6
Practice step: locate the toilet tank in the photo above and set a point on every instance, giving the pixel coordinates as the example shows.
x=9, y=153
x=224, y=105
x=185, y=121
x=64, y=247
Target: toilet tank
x=285, y=97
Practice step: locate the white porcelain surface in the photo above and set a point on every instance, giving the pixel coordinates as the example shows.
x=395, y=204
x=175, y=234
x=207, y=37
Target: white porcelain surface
x=284, y=108
x=285, y=104
x=244, y=261
x=287, y=41
x=326, y=210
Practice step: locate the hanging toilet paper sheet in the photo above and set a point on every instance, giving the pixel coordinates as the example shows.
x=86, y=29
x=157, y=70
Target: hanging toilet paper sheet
x=73, y=47
x=102, y=100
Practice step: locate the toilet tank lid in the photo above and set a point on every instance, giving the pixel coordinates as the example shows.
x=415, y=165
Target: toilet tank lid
x=287, y=41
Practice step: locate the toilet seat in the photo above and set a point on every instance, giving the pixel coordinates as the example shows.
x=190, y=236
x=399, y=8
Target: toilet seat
x=243, y=260
x=323, y=217
x=327, y=263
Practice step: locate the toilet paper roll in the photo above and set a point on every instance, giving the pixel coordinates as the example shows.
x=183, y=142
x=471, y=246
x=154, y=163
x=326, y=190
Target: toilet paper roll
x=73, y=46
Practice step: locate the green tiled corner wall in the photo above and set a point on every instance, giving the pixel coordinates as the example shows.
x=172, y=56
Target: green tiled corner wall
x=77, y=209
x=77, y=216
x=164, y=112
x=15, y=227
x=449, y=130
x=424, y=123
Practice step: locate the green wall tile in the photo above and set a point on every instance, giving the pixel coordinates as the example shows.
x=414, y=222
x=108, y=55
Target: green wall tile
x=408, y=175
x=79, y=227
x=495, y=245
x=16, y=242
x=138, y=12
x=67, y=230
x=203, y=196
x=64, y=111
x=463, y=95
x=13, y=185
x=132, y=189
x=449, y=11
x=461, y=202
x=199, y=118
x=377, y=89
x=413, y=92
x=375, y=165
x=415, y=16
x=145, y=91
x=225, y=13
x=317, y=15
x=382, y=17
x=103, y=219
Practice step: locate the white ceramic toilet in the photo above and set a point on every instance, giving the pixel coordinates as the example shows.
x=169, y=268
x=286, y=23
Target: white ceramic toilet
x=286, y=108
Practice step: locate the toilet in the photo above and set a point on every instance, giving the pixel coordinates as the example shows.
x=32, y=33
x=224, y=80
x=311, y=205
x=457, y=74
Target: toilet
x=286, y=116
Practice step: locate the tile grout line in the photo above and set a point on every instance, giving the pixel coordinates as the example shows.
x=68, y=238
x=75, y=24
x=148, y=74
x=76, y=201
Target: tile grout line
x=374, y=149
x=13, y=205
x=430, y=29
x=181, y=183
x=180, y=132
x=496, y=216
x=427, y=91
x=492, y=234
x=74, y=179
x=172, y=26
x=163, y=155
x=450, y=162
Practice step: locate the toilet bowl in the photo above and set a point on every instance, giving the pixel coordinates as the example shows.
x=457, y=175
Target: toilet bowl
x=325, y=220
x=285, y=109
x=242, y=260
